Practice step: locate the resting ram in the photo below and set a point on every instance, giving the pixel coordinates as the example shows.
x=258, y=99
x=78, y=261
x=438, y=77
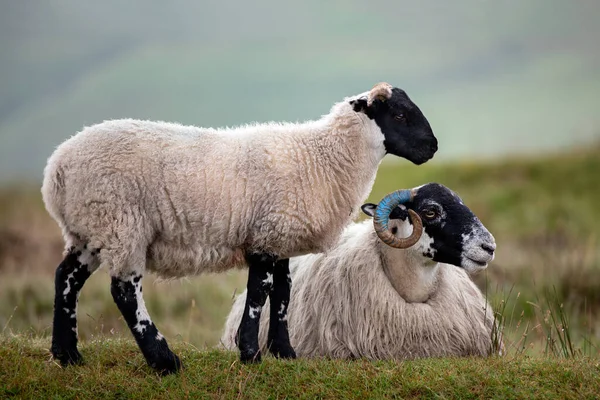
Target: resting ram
x=140, y=196
x=366, y=299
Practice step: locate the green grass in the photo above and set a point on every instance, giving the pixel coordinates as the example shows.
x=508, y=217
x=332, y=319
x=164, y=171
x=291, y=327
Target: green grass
x=115, y=369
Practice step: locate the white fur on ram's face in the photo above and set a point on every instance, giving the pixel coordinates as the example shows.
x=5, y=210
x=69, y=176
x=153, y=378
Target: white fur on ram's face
x=474, y=256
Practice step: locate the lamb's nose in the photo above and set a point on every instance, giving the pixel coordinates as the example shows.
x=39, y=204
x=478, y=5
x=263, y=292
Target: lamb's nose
x=489, y=247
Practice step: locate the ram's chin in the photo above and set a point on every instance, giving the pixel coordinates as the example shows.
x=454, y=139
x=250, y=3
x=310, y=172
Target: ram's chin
x=472, y=266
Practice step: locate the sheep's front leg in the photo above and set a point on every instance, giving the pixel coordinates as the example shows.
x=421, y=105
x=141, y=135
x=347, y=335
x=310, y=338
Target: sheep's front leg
x=260, y=282
x=279, y=338
x=127, y=293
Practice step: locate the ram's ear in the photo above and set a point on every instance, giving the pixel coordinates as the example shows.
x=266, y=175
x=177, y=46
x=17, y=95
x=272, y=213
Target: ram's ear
x=369, y=209
x=359, y=105
x=399, y=212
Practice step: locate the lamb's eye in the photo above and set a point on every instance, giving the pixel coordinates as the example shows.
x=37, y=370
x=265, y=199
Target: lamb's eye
x=400, y=117
x=430, y=214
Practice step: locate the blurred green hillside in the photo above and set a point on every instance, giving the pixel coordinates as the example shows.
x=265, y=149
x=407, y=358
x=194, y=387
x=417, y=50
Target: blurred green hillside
x=492, y=77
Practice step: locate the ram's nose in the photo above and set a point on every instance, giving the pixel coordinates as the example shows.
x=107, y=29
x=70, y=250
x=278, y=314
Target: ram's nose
x=489, y=247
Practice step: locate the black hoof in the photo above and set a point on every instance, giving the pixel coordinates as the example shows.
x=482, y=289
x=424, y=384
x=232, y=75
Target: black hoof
x=168, y=365
x=248, y=357
x=67, y=357
x=282, y=351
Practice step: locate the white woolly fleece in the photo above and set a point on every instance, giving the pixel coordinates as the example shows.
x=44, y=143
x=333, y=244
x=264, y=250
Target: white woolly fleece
x=366, y=299
x=188, y=200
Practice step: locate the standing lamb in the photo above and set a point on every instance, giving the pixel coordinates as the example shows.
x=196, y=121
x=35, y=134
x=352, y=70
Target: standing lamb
x=366, y=299
x=179, y=200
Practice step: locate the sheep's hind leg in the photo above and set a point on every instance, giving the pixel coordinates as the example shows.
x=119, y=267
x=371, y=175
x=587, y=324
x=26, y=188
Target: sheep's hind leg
x=260, y=283
x=127, y=293
x=79, y=263
x=279, y=338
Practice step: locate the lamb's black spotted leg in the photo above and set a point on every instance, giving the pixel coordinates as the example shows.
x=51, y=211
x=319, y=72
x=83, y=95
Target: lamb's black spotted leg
x=260, y=282
x=279, y=339
x=127, y=293
x=70, y=276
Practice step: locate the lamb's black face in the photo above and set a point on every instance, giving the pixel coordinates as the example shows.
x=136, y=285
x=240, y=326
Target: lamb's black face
x=451, y=232
x=407, y=132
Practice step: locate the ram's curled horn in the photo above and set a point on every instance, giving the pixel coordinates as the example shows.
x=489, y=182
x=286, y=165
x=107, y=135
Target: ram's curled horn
x=382, y=217
x=382, y=91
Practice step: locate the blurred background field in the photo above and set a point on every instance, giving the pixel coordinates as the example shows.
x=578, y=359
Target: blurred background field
x=511, y=89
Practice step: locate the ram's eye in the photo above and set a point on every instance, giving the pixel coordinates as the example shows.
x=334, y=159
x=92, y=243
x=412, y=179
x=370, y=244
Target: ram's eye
x=430, y=214
x=400, y=117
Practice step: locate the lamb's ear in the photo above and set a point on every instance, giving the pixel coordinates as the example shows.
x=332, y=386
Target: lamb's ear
x=359, y=105
x=369, y=209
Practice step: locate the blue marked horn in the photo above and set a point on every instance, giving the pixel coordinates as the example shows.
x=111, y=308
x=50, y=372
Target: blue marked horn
x=382, y=218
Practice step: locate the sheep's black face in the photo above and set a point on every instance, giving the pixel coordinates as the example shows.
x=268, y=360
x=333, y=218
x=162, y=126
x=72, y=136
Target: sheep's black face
x=407, y=132
x=451, y=232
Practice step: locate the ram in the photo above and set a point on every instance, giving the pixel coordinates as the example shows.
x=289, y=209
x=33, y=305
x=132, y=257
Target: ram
x=366, y=299
x=177, y=200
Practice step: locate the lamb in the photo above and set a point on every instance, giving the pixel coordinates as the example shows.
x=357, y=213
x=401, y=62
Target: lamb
x=366, y=299
x=179, y=200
